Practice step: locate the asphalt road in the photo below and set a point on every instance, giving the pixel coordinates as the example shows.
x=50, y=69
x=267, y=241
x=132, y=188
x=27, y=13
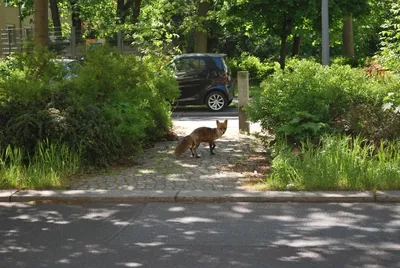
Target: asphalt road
x=200, y=235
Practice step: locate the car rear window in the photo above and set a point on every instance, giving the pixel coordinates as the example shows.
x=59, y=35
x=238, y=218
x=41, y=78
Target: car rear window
x=221, y=64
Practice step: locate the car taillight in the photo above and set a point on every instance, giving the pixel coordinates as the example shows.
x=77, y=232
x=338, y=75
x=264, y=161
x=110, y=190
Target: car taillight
x=224, y=77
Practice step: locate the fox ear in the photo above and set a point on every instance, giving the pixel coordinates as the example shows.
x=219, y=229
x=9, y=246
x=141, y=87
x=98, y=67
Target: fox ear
x=226, y=121
x=217, y=122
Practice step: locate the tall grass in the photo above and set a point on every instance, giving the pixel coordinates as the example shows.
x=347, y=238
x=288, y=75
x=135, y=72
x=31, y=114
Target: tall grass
x=338, y=163
x=49, y=166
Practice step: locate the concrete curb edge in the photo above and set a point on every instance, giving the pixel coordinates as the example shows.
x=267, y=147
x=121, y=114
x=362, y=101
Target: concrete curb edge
x=175, y=196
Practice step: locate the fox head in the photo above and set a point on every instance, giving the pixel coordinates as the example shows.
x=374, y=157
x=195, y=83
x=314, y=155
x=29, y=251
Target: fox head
x=222, y=126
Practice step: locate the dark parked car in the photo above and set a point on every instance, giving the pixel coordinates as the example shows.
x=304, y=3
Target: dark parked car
x=203, y=79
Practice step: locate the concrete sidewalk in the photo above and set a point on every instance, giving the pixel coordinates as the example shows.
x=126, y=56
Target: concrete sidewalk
x=160, y=177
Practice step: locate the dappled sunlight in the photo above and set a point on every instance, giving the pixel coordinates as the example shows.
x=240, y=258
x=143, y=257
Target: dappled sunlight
x=49, y=216
x=283, y=218
x=130, y=264
x=215, y=235
x=176, y=209
x=188, y=220
x=311, y=255
x=151, y=244
x=63, y=261
x=242, y=209
x=231, y=214
x=146, y=171
x=309, y=242
x=99, y=214
x=159, y=169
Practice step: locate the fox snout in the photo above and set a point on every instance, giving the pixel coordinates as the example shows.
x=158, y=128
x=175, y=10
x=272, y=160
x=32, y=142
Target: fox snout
x=222, y=126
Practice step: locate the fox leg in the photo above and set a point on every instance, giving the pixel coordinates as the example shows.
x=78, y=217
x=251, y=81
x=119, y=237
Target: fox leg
x=194, y=148
x=212, y=146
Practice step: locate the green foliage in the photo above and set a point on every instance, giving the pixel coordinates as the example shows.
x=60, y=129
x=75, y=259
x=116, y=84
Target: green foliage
x=375, y=121
x=113, y=105
x=132, y=97
x=30, y=75
x=308, y=99
x=337, y=163
x=390, y=39
x=354, y=62
x=258, y=70
x=166, y=25
x=50, y=166
x=302, y=126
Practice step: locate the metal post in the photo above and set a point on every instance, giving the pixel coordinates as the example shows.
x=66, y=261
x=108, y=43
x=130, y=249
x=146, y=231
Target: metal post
x=325, y=33
x=243, y=99
x=9, y=38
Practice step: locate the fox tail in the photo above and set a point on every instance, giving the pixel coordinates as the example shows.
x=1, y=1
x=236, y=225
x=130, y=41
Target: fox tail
x=184, y=145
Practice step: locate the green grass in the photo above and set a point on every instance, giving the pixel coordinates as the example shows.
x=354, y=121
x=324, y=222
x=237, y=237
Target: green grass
x=49, y=167
x=254, y=91
x=339, y=163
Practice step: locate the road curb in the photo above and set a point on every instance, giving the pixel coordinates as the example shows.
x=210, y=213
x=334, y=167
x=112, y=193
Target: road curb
x=96, y=196
x=275, y=196
x=387, y=196
x=174, y=196
x=5, y=195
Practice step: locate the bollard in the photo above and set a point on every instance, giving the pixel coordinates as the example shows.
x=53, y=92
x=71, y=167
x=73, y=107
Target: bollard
x=243, y=99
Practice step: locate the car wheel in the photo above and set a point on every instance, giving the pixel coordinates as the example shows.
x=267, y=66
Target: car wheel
x=216, y=101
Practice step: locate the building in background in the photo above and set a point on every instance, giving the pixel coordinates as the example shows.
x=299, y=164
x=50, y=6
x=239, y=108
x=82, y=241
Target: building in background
x=12, y=29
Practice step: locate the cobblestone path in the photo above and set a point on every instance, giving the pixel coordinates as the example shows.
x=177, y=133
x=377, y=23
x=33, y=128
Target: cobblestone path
x=158, y=168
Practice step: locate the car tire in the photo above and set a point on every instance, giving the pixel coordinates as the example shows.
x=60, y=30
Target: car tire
x=216, y=101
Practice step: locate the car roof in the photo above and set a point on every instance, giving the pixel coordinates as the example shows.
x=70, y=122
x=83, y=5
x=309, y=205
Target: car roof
x=64, y=60
x=194, y=55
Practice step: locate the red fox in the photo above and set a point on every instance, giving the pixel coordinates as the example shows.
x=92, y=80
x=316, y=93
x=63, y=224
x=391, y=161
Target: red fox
x=199, y=135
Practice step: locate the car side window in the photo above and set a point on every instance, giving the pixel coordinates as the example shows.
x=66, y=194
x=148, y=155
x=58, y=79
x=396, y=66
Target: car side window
x=190, y=65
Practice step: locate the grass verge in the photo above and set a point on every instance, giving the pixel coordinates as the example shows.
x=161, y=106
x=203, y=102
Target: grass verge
x=49, y=167
x=338, y=163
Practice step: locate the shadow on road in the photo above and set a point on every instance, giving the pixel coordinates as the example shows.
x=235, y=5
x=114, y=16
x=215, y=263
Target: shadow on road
x=200, y=235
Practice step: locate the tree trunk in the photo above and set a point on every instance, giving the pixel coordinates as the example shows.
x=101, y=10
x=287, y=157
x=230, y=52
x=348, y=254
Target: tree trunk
x=41, y=22
x=201, y=35
x=296, y=45
x=282, y=57
x=287, y=25
x=55, y=15
x=348, y=41
x=136, y=11
x=120, y=11
x=129, y=7
x=76, y=19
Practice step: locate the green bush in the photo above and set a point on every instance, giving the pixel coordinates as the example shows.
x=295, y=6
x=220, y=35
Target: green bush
x=110, y=109
x=307, y=100
x=390, y=38
x=258, y=70
x=354, y=62
x=30, y=76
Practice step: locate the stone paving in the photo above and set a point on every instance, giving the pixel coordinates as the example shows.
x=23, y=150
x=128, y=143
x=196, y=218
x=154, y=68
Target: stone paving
x=159, y=169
